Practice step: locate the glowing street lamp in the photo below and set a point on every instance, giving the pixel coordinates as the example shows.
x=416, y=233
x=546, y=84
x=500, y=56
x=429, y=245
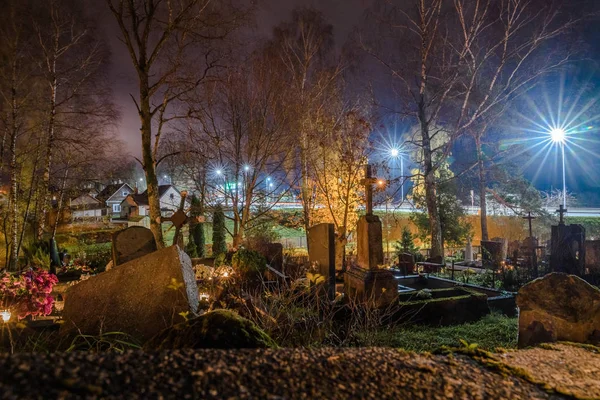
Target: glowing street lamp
x=559, y=136
x=5, y=314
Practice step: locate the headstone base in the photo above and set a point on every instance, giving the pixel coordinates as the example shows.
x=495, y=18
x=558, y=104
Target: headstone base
x=372, y=285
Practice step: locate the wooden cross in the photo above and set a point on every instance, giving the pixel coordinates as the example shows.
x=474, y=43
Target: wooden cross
x=529, y=218
x=562, y=211
x=369, y=181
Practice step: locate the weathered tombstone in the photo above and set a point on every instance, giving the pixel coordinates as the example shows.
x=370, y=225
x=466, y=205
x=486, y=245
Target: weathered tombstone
x=406, y=263
x=132, y=243
x=558, y=307
x=366, y=280
x=321, y=251
x=469, y=251
x=140, y=297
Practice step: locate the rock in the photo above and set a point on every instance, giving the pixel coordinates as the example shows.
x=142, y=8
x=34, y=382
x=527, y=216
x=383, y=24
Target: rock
x=140, y=298
x=558, y=307
x=219, y=329
x=109, y=266
x=132, y=243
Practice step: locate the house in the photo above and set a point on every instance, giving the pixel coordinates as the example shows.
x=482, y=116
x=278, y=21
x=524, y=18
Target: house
x=113, y=195
x=136, y=205
x=86, y=206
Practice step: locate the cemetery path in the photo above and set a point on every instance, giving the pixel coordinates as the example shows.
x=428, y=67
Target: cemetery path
x=370, y=373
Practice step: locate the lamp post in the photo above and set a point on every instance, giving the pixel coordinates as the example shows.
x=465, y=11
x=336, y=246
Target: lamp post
x=558, y=136
x=395, y=154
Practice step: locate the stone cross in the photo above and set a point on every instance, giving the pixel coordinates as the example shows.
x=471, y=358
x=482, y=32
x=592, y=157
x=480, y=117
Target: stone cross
x=562, y=211
x=179, y=218
x=529, y=218
x=369, y=181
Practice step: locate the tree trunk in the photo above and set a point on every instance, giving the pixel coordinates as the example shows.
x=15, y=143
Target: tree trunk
x=45, y=195
x=305, y=187
x=14, y=206
x=437, y=249
x=482, y=189
x=149, y=163
x=14, y=209
x=60, y=204
x=340, y=251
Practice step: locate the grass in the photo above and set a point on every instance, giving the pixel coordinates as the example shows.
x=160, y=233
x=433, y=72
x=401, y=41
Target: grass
x=491, y=332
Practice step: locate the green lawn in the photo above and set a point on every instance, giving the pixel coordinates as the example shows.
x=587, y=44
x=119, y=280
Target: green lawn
x=489, y=333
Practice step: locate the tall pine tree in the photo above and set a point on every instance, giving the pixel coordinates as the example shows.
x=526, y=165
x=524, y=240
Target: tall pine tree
x=219, y=245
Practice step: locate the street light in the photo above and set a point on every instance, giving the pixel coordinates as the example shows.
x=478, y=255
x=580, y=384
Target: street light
x=559, y=136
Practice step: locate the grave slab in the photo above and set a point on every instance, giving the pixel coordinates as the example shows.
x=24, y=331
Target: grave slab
x=141, y=297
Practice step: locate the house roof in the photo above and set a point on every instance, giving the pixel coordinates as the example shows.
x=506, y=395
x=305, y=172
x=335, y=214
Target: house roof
x=110, y=190
x=141, y=199
x=87, y=202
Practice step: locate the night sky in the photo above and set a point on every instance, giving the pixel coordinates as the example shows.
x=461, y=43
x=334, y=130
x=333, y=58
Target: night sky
x=345, y=15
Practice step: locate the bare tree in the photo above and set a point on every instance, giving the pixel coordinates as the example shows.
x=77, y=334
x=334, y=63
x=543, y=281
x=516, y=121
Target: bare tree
x=71, y=59
x=172, y=46
x=246, y=120
x=458, y=63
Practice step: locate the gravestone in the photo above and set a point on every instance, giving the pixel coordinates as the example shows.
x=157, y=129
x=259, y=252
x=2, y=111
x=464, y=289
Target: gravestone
x=469, y=251
x=491, y=252
x=273, y=253
x=132, y=243
x=558, y=307
x=366, y=281
x=513, y=250
x=567, y=248
x=503, y=248
x=140, y=297
x=406, y=263
x=592, y=256
x=321, y=252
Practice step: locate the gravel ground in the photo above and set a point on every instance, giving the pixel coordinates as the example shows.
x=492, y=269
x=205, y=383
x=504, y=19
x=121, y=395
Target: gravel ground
x=371, y=373
x=568, y=369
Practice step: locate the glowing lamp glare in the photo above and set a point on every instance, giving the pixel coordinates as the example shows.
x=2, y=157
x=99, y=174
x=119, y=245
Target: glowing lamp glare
x=5, y=315
x=557, y=135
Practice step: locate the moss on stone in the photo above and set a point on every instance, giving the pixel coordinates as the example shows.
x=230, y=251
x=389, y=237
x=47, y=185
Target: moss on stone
x=218, y=329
